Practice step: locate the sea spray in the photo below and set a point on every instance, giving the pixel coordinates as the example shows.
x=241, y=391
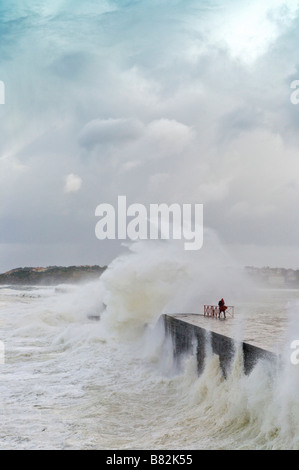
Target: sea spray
x=70, y=382
x=157, y=277
x=258, y=410
x=286, y=397
x=255, y=411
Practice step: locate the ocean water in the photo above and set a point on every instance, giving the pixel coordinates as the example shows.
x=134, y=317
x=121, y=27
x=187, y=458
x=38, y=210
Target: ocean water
x=70, y=382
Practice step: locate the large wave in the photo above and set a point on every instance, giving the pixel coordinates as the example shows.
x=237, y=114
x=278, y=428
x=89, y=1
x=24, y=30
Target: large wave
x=258, y=410
x=161, y=277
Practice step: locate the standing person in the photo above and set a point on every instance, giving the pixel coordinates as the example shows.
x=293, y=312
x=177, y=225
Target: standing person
x=222, y=307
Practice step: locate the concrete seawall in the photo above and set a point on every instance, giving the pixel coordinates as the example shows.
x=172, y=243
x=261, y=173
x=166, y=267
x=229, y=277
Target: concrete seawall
x=190, y=338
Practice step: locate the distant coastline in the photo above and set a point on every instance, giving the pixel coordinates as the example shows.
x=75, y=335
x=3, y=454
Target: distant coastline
x=51, y=275
x=274, y=277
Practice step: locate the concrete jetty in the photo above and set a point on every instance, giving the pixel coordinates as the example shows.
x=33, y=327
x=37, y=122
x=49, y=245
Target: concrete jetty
x=195, y=333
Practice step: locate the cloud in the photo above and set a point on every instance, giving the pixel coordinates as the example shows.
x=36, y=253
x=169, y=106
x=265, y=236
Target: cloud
x=115, y=131
x=72, y=183
x=160, y=101
x=168, y=136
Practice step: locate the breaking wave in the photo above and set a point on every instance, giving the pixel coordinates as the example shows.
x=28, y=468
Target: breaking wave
x=115, y=384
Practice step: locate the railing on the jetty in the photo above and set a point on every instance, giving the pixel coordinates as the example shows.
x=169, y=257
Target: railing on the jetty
x=213, y=311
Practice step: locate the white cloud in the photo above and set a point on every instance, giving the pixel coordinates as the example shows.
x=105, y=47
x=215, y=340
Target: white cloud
x=168, y=136
x=245, y=29
x=194, y=109
x=72, y=183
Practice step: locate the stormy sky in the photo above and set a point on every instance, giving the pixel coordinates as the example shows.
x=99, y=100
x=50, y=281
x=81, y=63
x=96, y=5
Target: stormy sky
x=184, y=101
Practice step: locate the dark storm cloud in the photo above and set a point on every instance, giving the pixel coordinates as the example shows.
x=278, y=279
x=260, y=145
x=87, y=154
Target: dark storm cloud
x=102, y=131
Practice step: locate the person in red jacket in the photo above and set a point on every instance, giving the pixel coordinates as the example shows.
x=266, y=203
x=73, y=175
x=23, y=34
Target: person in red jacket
x=222, y=308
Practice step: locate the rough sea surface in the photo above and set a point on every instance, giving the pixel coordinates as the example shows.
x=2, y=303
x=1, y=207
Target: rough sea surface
x=69, y=381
